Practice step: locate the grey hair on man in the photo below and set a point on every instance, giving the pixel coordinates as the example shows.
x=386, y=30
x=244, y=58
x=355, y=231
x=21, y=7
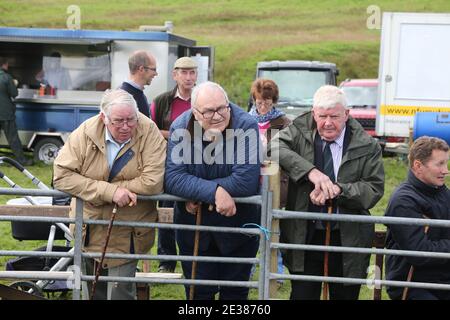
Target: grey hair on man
x=328, y=97
x=208, y=85
x=116, y=97
x=137, y=59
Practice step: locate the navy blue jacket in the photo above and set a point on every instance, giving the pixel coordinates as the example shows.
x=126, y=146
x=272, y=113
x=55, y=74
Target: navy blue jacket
x=139, y=96
x=199, y=182
x=414, y=199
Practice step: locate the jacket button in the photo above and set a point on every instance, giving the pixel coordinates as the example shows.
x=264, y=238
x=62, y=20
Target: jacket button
x=138, y=233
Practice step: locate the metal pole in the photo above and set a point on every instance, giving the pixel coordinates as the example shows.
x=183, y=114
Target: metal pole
x=326, y=295
x=262, y=241
x=268, y=249
x=76, y=294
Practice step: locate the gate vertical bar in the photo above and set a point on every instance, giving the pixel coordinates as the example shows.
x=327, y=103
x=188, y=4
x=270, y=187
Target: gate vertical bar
x=77, y=249
x=273, y=225
x=262, y=239
x=267, y=246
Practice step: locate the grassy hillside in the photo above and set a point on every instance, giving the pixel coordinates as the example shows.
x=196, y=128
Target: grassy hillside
x=243, y=32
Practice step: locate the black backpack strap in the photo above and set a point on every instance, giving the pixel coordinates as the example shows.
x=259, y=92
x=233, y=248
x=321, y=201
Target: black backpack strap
x=120, y=163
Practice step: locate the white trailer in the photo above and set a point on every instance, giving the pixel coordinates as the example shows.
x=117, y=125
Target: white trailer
x=414, y=70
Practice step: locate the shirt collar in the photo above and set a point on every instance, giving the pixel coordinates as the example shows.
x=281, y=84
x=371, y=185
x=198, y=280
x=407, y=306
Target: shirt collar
x=134, y=84
x=109, y=138
x=178, y=95
x=340, y=140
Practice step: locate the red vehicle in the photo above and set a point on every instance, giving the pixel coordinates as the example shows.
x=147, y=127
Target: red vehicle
x=361, y=97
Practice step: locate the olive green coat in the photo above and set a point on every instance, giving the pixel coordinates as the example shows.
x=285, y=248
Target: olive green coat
x=360, y=176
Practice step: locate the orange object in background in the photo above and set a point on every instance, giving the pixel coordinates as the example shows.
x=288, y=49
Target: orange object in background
x=42, y=90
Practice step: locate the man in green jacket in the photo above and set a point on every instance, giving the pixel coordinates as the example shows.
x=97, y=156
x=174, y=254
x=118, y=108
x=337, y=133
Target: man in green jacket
x=330, y=160
x=8, y=91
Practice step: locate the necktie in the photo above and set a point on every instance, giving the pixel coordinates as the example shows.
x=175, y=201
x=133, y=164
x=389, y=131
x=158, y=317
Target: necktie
x=328, y=167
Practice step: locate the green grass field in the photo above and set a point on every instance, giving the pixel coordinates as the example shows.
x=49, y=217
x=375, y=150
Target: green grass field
x=242, y=32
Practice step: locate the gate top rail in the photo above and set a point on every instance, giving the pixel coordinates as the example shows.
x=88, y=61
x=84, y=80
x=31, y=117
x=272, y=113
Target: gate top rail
x=256, y=199
x=284, y=214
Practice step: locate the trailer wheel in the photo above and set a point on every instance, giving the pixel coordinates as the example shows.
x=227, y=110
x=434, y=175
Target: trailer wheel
x=27, y=286
x=47, y=149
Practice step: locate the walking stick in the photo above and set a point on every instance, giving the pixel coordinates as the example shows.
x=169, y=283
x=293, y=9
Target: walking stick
x=198, y=221
x=325, y=294
x=99, y=266
x=411, y=270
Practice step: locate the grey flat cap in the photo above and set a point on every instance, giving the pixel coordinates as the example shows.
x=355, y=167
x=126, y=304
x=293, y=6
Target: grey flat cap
x=185, y=63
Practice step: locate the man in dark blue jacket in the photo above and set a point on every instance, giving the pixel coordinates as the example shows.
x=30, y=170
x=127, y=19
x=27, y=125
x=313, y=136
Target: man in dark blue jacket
x=212, y=157
x=423, y=195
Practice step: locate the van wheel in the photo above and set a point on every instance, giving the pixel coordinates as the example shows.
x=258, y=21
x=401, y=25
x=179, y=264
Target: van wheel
x=47, y=149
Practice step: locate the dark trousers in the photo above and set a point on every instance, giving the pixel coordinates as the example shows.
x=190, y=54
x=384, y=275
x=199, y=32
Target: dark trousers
x=10, y=129
x=427, y=294
x=166, y=241
x=220, y=270
x=309, y=290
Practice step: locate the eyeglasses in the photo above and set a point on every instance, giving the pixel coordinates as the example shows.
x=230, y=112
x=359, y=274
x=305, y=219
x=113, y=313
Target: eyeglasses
x=209, y=114
x=148, y=68
x=267, y=102
x=118, y=123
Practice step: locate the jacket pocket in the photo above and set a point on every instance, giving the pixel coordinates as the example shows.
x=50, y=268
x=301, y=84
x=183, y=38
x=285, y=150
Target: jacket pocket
x=143, y=239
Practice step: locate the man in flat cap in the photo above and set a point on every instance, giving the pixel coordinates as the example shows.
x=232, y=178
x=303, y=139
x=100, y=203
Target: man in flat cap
x=164, y=110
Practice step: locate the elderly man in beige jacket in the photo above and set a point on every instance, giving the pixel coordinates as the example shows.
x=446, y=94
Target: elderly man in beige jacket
x=107, y=161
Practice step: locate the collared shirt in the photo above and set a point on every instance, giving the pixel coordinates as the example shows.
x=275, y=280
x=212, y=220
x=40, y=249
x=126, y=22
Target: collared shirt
x=112, y=147
x=134, y=84
x=336, y=151
x=178, y=95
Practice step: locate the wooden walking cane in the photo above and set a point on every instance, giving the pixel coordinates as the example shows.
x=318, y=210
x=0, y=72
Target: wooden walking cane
x=198, y=221
x=411, y=269
x=99, y=266
x=325, y=294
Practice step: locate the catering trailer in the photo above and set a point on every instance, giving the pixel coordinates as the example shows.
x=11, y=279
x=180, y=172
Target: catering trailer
x=62, y=75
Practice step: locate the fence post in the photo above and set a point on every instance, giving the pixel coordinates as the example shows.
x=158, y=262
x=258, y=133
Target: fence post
x=77, y=249
x=262, y=279
x=274, y=224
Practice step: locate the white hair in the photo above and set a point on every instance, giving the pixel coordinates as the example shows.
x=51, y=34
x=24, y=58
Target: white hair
x=329, y=97
x=116, y=97
x=208, y=85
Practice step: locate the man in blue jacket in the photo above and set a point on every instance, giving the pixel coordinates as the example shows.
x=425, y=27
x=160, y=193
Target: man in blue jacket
x=423, y=195
x=213, y=157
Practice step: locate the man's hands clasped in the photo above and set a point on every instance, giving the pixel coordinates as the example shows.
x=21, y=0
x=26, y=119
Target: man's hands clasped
x=324, y=188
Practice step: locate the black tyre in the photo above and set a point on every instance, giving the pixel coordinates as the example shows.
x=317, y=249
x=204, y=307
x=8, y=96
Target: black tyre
x=47, y=149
